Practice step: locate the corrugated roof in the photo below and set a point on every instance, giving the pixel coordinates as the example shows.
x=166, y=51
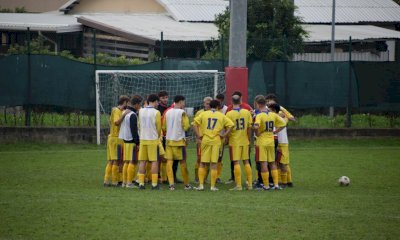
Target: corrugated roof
x=51, y=22
x=194, y=10
x=322, y=33
x=348, y=11
x=150, y=26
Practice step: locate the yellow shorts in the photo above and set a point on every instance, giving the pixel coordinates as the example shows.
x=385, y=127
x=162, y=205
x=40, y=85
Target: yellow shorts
x=283, y=153
x=149, y=152
x=210, y=153
x=238, y=153
x=130, y=152
x=114, y=148
x=175, y=153
x=265, y=153
x=161, y=149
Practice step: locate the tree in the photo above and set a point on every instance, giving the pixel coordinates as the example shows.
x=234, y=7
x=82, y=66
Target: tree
x=273, y=32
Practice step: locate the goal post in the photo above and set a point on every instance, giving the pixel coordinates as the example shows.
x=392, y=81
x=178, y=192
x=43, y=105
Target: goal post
x=193, y=84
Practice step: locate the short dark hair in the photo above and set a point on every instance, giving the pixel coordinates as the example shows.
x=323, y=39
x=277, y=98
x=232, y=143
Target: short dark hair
x=220, y=96
x=162, y=93
x=136, y=99
x=275, y=107
x=179, y=98
x=152, y=98
x=271, y=96
x=237, y=93
x=122, y=99
x=214, y=104
x=261, y=100
x=236, y=99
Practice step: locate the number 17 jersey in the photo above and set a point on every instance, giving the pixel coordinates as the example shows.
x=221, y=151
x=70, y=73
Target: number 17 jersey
x=242, y=121
x=211, y=123
x=267, y=121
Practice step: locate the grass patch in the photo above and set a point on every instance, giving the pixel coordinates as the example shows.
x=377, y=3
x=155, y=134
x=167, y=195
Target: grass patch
x=55, y=192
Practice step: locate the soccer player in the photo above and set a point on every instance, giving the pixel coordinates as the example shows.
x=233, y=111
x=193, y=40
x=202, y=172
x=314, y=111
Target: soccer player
x=239, y=141
x=175, y=124
x=223, y=108
x=150, y=132
x=210, y=123
x=242, y=106
x=283, y=145
x=206, y=107
x=130, y=135
x=162, y=107
x=264, y=125
x=271, y=99
x=114, y=144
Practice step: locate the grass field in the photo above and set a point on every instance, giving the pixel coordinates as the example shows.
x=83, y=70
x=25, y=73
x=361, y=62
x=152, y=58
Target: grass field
x=56, y=192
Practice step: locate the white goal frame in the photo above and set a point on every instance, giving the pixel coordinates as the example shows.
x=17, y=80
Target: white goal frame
x=97, y=83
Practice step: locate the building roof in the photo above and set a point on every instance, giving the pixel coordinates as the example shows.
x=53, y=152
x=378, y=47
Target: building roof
x=348, y=11
x=322, y=33
x=148, y=27
x=194, y=10
x=50, y=22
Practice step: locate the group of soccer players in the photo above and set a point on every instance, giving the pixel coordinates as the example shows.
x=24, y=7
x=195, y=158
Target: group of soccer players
x=148, y=140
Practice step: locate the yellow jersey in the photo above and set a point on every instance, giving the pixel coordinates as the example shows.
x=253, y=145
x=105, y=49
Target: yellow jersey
x=267, y=121
x=116, y=114
x=286, y=112
x=242, y=120
x=195, y=116
x=211, y=123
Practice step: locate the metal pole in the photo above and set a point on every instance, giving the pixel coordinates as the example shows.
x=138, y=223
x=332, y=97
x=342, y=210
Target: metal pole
x=162, y=50
x=29, y=85
x=349, y=94
x=94, y=49
x=221, y=46
x=331, y=108
x=237, y=36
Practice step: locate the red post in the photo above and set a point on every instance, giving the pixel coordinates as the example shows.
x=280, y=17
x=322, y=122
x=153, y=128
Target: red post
x=236, y=79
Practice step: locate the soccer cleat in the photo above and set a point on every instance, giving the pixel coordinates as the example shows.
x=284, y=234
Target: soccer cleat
x=236, y=189
x=171, y=187
x=271, y=184
x=116, y=185
x=123, y=185
x=218, y=180
x=199, y=188
x=142, y=187
x=277, y=187
x=214, y=189
x=131, y=186
x=135, y=183
x=188, y=187
x=266, y=188
x=290, y=184
x=283, y=186
x=157, y=187
x=229, y=181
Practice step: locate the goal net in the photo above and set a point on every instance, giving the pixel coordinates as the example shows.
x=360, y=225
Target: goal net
x=193, y=84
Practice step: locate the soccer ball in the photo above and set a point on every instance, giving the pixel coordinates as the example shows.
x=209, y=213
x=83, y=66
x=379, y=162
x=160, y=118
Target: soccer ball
x=344, y=181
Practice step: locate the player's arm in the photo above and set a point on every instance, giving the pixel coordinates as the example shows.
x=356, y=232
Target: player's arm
x=256, y=125
x=134, y=129
x=158, y=123
x=164, y=124
x=249, y=124
x=185, y=122
x=288, y=114
x=118, y=119
x=196, y=124
x=228, y=124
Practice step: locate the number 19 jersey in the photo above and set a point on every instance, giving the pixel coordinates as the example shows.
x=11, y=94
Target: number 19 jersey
x=242, y=121
x=266, y=122
x=211, y=123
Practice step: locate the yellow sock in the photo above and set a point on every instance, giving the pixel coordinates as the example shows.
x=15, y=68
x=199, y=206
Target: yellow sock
x=154, y=179
x=289, y=174
x=185, y=173
x=170, y=173
x=164, y=171
x=202, y=174
x=120, y=171
x=214, y=174
x=265, y=176
x=275, y=176
x=249, y=174
x=284, y=177
x=238, y=175
x=219, y=169
x=141, y=178
x=279, y=175
x=115, y=174
x=125, y=172
x=131, y=173
x=148, y=171
x=107, y=172
x=196, y=171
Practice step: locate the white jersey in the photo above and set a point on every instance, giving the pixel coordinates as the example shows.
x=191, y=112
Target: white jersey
x=175, y=130
x=147, y=123
x=224, y=109
x=282, y=136
x=125, y=130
